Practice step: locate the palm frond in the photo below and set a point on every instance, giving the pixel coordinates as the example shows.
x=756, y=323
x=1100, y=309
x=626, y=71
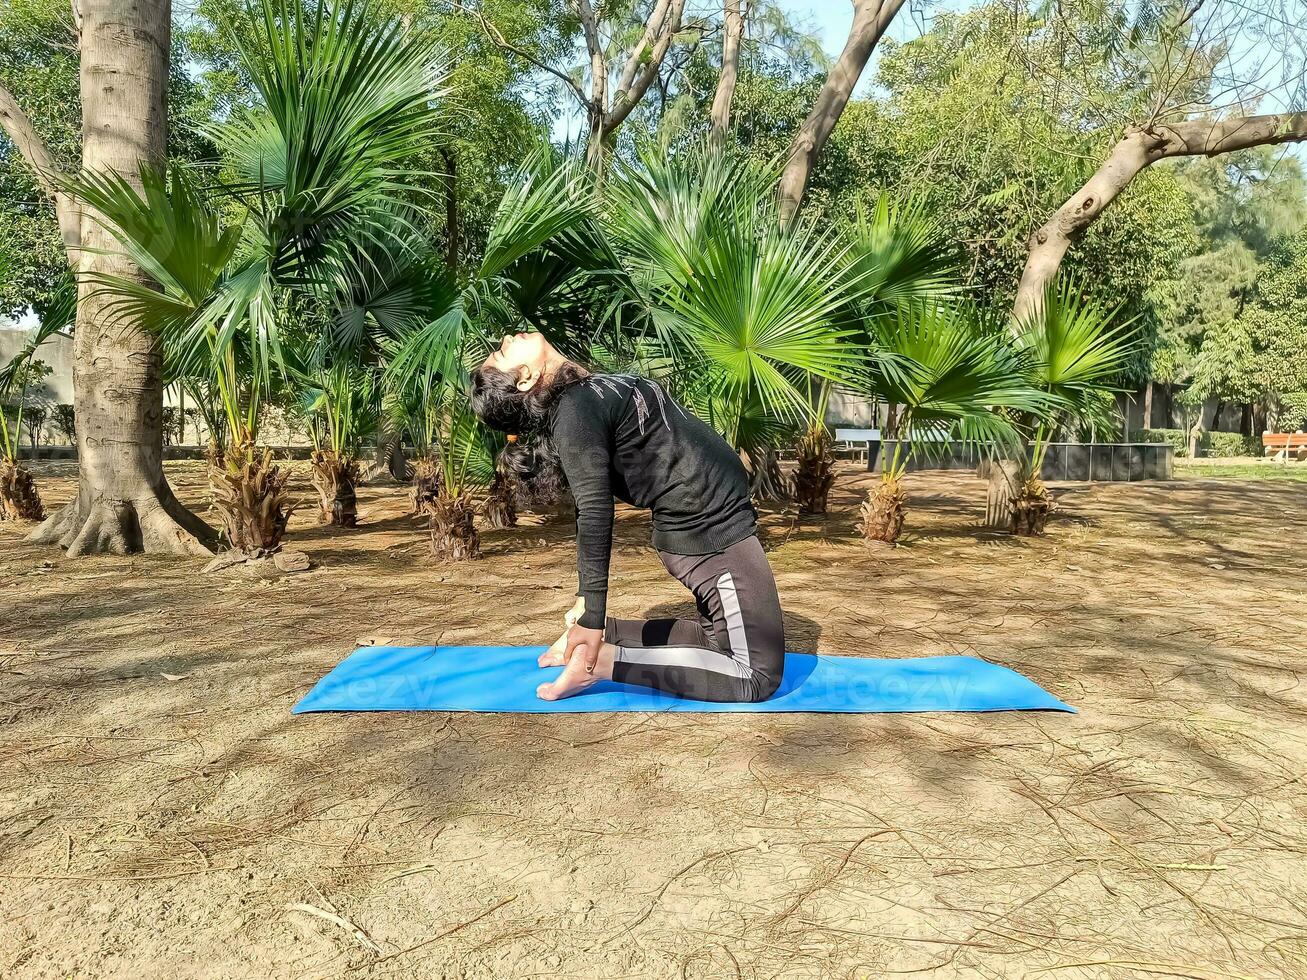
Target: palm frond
x=951, y=374
x=1074, y=347
x=901, y=253
x=347, y=98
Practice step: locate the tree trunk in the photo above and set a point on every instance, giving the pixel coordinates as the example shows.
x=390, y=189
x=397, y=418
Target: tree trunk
x=1139, y=148
x=1148, y=405
x=453, y=533
x=123, y=502
x=643, y=64
x=426, y=484
x=336, y=479
x=1001, y=495
x=883, y=512
x=1031, y=508
x=1202, y=424
x=389, y=462
x=733, y=28
x=766, y=481
x=250, y=497
x=870, y=20
x=19, y=500
x=891, y=421
x=451, y=210
x=815, y=474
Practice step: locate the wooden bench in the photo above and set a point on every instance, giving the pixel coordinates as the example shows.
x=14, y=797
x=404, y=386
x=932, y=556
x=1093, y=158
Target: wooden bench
x=1282, y=445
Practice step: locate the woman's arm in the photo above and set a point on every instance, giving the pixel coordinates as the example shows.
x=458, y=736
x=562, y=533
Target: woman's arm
x=584, y=441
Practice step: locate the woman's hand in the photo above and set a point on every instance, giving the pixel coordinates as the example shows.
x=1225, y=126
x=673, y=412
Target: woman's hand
x=584, y=643
x=576, y=612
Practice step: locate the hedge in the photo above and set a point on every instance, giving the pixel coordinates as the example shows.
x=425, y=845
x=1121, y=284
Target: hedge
x=1232, y=444
x=1178, y=438
x=1216, y=444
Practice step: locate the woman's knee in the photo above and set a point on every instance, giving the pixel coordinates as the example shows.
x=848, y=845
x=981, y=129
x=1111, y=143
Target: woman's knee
x=764, y=687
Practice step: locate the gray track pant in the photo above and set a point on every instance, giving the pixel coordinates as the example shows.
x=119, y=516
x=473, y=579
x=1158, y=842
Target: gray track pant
x=736, y=651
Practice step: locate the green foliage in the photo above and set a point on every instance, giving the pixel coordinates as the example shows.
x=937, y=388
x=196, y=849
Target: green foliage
x=1225, y=444
x=746, y=310
x=1258, y=351
x=39, y=65
x=1178, y=438
x=950, y=369
x=1074, y=348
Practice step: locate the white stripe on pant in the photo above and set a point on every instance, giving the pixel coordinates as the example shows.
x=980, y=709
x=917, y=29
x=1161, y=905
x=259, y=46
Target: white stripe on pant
x=736, y=652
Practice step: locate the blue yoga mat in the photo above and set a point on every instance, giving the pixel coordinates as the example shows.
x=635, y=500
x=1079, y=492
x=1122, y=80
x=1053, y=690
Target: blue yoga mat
x=505, y=679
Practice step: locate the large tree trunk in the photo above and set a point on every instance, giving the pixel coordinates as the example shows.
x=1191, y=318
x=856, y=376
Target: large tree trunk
x=870, y=20
x=1148, y=405
x=733, y=30
x=123, y=502
x=1139, y=148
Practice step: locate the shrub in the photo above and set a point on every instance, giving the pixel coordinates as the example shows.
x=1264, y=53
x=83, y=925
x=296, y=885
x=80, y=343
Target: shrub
x=1231, y=444
x=1178, y=438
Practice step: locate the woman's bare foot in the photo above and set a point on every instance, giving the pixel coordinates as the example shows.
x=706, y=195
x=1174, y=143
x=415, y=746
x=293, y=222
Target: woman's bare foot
x=553, y=657
x=574, y=679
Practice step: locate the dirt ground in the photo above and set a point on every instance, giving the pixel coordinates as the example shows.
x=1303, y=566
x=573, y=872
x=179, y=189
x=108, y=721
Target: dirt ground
x=163, y=814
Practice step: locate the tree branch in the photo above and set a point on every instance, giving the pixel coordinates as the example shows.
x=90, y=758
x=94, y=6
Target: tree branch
x=19, y=128
x=652, y=29
x=871, y=18
x=1139, y=148
x=598, y=64
x=497, y=38
x=733, y=22
x=627, y=99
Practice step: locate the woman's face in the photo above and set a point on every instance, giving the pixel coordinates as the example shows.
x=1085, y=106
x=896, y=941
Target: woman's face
x=523, y=355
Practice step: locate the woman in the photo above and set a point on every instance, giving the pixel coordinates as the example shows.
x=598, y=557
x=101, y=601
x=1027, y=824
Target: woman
x=622, y=436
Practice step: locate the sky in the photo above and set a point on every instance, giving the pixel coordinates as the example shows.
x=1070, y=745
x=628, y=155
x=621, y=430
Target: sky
x=829, y=20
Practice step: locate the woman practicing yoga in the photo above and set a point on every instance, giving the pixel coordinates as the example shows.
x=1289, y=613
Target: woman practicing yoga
x=617, y=435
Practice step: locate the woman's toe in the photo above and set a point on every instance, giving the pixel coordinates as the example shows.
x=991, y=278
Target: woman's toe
x=545, y=692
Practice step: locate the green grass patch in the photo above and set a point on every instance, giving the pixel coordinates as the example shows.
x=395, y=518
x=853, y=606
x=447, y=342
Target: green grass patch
x=1196, y=469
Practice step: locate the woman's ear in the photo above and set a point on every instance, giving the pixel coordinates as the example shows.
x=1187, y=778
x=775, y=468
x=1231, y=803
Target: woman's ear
x=526, y=379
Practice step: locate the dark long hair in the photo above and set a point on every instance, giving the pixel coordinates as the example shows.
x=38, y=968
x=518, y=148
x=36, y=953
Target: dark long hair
x=532, y=460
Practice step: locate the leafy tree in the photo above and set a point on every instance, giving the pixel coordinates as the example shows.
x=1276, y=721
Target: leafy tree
x=39, y=67
x=1247, y=205
x=1196, y=94
x=1260, y=355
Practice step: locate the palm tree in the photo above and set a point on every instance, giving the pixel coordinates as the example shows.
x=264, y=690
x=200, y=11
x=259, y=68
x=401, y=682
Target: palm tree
x=343, y=406
x=545, y=267
x=901, y=256
x=1072, y=350
x=19, y=499
x=746, y=310
x=251, y=268
x=953, y=371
